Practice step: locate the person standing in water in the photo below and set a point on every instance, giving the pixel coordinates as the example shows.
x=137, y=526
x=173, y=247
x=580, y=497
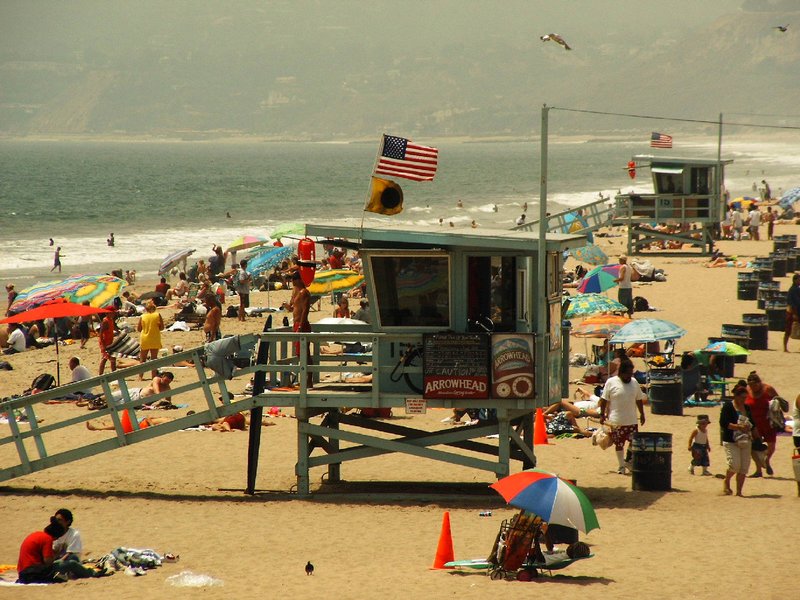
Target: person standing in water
x=57, y=260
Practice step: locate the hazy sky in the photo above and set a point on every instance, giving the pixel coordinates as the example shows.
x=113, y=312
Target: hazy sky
x=352, y=66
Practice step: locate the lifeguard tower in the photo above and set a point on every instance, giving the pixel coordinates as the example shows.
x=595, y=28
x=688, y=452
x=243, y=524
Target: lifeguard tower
x=454, y=325
x=685, y=209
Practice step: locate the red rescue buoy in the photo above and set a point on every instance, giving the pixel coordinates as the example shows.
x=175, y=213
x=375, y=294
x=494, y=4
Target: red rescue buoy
x=632, y=169
x=306, y=251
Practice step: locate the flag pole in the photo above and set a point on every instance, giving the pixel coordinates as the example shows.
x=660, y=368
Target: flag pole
x=369, y=187
x=542, y=384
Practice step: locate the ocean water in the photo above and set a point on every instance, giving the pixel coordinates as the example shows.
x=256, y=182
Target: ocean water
x=157, y=197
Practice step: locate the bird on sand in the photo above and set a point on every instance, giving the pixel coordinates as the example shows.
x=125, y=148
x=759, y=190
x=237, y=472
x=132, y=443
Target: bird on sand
x=556, y=38
x=309, y=568
x=782, y=28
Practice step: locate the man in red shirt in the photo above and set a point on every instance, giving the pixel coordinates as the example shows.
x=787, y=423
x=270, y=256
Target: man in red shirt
x=36, y=559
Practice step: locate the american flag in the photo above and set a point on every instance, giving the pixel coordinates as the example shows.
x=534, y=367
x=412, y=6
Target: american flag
x=660, y=140
x=402, y=158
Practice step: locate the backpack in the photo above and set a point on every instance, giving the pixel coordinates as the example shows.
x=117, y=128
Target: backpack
x=43, y=382
x=640, y=304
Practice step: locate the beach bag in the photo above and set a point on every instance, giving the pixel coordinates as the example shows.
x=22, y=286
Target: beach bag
x=602, y=438
x=742, y=439
x=640, y=304
x=43, y=382
x=232, y=311
x=775, y=413
x=795, y=333
x=796, y=465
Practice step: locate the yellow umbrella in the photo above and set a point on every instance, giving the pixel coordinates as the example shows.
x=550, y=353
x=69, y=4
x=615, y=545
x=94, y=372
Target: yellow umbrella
x=334, y=280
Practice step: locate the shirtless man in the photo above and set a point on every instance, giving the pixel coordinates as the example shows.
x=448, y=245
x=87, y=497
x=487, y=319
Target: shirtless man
x=299, y=304
x=213, y=318
x=105, y=339
x=160, y=383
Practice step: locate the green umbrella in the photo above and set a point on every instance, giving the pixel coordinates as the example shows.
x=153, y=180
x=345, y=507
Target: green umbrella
x=287, y=229
x=726, y=348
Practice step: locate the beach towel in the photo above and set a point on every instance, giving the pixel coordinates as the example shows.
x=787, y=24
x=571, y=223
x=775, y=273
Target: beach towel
x=124, y=346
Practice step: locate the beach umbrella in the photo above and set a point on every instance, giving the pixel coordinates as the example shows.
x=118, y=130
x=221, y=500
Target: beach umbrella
x=789, y=198
x=647, y=330
x=554, y=499
x=585, y=305
x=334, y=280
x=266, y=259
x=173, y=259
x=575, y=222
x=599, y=279
x=98, y=290
x=590, y=254
x=339, y=321
x=600, y=326
x=246, y=241
x=285, y=229
x=55, y=309
x=726, y=348
x=743, y=202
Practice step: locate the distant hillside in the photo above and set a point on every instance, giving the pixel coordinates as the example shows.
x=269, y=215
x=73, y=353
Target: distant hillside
x=235, y=79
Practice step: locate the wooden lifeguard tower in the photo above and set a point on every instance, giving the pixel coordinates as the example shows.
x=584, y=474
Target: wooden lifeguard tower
x=685, y=208
x=454, y=325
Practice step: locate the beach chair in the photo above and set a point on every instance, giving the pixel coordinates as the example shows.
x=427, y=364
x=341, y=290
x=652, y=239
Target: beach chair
x=514, y=543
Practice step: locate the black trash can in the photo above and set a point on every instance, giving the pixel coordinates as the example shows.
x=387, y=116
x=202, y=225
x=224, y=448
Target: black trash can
x=758, y=325
x=776, y=315
x=747, y=289
x=651, y=461
x=778, y=264
x=765, y=291
x=665, y=392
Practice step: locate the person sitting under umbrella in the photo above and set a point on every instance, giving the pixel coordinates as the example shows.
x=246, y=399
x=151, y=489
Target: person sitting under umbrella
x=16, y=339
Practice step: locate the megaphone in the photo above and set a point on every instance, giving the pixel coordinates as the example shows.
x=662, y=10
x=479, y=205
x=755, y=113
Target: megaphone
x=385, y=198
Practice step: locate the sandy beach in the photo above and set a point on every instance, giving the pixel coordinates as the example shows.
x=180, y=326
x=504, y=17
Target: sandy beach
x=182, y=493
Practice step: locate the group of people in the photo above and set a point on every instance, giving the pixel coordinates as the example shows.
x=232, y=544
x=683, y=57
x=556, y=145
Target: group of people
x=733, y=225
x=53, y=555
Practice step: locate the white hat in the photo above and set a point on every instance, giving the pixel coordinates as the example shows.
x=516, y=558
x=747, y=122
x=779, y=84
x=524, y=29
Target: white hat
x=177, y=348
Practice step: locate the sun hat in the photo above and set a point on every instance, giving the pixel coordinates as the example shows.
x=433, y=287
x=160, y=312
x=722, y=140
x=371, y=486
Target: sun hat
x=177, y=348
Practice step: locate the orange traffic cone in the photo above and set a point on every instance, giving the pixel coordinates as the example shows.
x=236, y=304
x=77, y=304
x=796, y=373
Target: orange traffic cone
x=444, y=551
x=539, y=429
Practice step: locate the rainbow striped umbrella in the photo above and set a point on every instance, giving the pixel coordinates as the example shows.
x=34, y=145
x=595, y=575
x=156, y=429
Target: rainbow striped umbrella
x=334, y=280
x=246, y=241
x=600, y=326
x=98, y=290
x=552, y=498
x=599, y=279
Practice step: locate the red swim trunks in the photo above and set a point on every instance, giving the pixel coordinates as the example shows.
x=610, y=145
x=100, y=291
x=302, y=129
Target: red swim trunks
x=301, y=328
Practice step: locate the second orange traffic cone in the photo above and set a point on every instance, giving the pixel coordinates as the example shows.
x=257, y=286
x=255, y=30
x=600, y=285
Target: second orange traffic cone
x=444, y=551
x=539, y=429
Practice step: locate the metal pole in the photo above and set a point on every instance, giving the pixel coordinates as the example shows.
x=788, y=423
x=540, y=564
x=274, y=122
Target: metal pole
x=541, y=278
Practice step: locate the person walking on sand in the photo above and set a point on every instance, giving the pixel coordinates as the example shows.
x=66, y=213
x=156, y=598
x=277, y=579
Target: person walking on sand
x=242, y=283
x=150, y=327
x=759, y=395
x=105, y=338
x=57, y=260
x=792, y=310
x=736, y=428
x=754, y=221
x=622, y=397
x=769, y=219
x=625, y=292
x=699, y=446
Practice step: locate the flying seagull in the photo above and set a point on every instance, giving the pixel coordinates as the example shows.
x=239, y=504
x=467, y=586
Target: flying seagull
x=782, y=28
x=556, y=38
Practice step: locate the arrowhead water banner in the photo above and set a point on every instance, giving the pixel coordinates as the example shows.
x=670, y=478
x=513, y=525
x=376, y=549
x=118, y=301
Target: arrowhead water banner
x=456, y=366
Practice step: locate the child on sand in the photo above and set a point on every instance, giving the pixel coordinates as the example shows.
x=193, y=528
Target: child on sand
x=699, y=446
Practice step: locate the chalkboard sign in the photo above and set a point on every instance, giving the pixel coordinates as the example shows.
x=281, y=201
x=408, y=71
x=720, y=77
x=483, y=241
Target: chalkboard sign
x=455, y=366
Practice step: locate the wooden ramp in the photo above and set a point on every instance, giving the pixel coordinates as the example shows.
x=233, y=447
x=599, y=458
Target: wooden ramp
x=338, y=438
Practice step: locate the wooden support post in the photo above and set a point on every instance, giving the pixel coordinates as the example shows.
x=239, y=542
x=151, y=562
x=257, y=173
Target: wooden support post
x=257, y=413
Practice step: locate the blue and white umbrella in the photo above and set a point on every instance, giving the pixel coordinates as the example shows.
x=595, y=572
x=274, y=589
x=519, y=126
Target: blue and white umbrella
x=642, y=331
x=267, y=259
x=789, y=198
x=173, y=259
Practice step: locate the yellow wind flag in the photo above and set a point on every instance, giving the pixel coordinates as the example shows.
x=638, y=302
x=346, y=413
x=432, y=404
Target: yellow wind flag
x=385, y=198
